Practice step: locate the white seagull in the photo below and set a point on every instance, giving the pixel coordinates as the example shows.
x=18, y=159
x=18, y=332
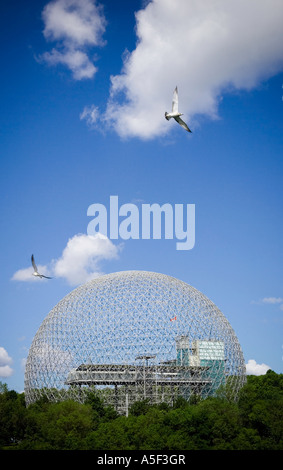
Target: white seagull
x=36, y=273
x=175, y=113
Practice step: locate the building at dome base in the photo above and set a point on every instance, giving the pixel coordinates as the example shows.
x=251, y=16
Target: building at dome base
x=131, y=336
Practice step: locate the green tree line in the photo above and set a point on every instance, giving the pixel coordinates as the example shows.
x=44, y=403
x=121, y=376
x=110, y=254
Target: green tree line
x=253, y=422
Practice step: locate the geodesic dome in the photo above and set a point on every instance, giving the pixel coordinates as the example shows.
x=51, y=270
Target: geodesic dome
x=131, y=336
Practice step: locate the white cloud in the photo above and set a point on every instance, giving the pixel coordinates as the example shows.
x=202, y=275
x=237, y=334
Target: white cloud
x=80, y=259
x=5, y=362
x=48, y=357
x=205, y=47
x=90, y=114
x=25, y=274
x=75, y=25
x=253, y=368
x=78, y=21
x=77, y=61
x=272, y=300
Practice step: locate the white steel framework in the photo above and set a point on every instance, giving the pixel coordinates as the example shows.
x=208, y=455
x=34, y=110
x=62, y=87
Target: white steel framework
x=131, y=336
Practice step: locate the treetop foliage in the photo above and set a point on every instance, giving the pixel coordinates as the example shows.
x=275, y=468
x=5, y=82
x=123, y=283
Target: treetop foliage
x=254, y=422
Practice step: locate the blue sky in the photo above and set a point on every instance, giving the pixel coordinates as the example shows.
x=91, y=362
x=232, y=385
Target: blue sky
x=83, y=93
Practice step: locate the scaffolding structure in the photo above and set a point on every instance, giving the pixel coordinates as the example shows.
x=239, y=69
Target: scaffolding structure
x=131, y=336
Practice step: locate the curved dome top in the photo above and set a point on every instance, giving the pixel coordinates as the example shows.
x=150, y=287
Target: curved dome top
x=121, y=318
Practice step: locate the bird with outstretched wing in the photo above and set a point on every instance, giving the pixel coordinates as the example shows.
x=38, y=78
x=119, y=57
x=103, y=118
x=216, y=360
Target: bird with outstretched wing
x=175, y=112
x=36, y=273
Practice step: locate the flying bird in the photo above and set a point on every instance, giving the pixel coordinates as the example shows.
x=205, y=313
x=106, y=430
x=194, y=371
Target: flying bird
x=36, y=273
x=175, y=113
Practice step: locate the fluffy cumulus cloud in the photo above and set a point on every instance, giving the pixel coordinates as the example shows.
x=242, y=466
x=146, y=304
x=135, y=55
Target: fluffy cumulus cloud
x=5, y=363
x=206, y=47
x=253, y=368
x=75, y=25
x=80, y=260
